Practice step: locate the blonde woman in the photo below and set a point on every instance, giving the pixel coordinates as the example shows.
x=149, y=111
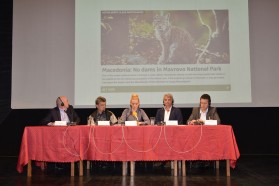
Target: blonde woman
x=135, y=113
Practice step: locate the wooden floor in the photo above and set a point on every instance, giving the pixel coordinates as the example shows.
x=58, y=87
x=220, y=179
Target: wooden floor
x=251, y=170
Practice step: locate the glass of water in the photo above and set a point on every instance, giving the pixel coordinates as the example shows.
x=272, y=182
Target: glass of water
x=152, y=120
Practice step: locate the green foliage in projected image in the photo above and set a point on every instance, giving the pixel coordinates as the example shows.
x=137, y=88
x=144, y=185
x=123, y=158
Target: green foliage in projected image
x=140, y=28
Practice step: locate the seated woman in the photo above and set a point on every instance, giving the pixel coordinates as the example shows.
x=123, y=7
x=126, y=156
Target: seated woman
x=134, y=113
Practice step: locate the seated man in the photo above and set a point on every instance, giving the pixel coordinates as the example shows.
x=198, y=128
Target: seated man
x=135, y=113
x=198, y=116
x=62, y=112
x=168, y=112
x=101, y=113
x=203, y=112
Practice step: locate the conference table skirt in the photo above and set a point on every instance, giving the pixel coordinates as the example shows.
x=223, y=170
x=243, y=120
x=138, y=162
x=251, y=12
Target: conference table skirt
x=122, y=143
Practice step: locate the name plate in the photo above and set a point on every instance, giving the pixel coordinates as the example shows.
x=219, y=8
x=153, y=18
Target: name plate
x=172, y=122
x=103, y=123
x=131, y=123
x=210, y=122
x=60, y=123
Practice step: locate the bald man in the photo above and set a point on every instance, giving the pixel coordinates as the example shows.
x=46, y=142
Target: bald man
x=62, y=112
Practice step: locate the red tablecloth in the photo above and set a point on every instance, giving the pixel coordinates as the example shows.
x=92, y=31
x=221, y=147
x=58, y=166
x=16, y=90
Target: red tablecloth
x=117, y=143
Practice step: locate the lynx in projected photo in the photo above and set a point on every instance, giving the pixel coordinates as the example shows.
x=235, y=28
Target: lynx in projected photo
x=176, y=43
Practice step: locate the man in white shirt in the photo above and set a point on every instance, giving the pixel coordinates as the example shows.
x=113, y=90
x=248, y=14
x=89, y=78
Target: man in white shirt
x=168, y=112
x=203, y=112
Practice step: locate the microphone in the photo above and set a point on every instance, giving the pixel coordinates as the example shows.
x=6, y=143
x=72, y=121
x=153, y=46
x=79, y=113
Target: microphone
x=135, y=114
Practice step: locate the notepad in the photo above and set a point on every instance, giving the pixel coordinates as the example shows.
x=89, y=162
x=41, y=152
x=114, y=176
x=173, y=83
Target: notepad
x=172, y=122
x=60, y=123
x=131, y=123
x=103, y=123
x=210, y=122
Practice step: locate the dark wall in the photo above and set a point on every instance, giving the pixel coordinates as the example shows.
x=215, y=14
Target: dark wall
x=6, y=9
x=256, y=129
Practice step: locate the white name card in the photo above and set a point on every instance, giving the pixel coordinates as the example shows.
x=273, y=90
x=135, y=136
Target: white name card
x=131, y=123
x=60, y=123
x=103, y=123
x=210, y=122
x=172, y=122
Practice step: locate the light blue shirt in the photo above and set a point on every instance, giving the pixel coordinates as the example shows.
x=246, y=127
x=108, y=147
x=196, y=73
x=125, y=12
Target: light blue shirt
x=64, y=116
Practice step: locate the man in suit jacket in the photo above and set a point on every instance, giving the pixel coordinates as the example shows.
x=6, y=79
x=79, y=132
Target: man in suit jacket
x=62, y=112
x=204, y=112
x=168, y=112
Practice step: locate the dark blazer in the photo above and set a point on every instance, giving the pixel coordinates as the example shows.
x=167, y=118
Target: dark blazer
x=174, y=115
x=211, y=114
x=54, y=115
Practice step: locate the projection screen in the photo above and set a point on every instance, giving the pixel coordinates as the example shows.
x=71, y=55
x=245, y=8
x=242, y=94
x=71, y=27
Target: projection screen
x=87, y=48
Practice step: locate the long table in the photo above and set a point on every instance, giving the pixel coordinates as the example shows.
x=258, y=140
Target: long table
x=123, y=143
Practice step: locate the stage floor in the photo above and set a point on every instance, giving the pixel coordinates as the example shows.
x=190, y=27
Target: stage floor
x=250, y=170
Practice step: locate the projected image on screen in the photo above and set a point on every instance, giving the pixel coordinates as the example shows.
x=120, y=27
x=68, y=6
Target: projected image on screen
x=186, y=48
x=164, y=37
